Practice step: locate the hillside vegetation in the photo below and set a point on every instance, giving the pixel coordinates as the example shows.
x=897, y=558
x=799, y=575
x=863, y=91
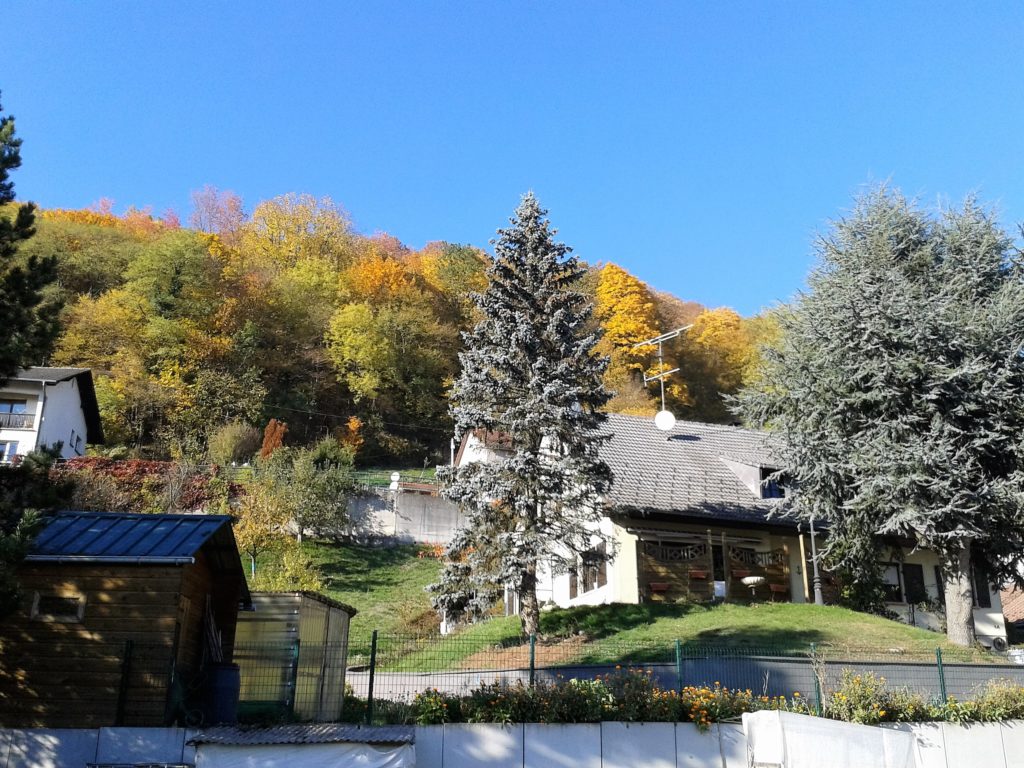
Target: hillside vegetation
x=288, y=312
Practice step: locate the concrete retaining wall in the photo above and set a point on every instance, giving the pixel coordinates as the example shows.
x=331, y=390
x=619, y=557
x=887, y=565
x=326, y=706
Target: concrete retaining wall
x=407, y=516
x=530, y=745
x=74, y=747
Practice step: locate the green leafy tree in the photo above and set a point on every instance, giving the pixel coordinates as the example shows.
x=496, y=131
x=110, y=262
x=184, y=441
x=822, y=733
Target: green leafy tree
x=530, y=373
x=26, y=493
x=896, y=392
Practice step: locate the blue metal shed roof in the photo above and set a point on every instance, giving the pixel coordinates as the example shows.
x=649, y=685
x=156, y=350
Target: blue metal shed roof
x=124, y=537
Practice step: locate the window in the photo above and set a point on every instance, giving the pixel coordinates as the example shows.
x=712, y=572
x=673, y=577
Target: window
x=592, y=574
x=980, y=582
x=913, y=583
x=771, y=488
x=8, y=450
x=61, y=608
x=904, y=583
x=892, y=584
x=14, y=414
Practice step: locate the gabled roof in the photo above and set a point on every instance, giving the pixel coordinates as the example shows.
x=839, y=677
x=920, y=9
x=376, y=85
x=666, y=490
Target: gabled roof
x=49, y=375
x=86, y=389
x=683, y=472
x=105, y=537
x=139, y=539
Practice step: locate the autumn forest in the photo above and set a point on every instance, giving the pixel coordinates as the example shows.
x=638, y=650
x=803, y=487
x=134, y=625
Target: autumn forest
x=289, y=313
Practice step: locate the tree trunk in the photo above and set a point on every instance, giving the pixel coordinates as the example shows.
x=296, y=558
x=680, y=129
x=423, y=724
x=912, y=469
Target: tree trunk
x=959, y=598
x=529, y=607
x=252, y=566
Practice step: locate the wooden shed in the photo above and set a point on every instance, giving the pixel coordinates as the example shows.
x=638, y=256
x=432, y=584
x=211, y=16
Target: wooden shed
x=292, y=649
x=122, y=619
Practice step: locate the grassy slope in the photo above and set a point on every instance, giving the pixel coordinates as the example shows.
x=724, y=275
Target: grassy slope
x=387, y=586
x=616, y=633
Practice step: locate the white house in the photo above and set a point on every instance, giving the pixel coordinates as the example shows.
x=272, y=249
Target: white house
x=689, y=511
x=46, y=406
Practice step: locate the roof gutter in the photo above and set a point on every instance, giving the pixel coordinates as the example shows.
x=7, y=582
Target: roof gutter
x=123, y=559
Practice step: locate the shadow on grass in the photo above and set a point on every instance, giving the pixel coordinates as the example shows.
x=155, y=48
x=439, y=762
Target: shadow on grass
x=598, y=621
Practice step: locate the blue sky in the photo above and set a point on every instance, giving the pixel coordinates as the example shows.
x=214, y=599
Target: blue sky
x=700, y=145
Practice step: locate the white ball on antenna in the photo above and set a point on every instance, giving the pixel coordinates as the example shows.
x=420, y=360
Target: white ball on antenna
x=664, y=420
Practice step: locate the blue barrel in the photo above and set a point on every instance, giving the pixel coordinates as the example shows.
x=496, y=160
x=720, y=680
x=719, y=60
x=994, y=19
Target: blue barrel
x=225, y=686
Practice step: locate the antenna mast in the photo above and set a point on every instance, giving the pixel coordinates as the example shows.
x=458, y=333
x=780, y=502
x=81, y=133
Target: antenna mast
x=664, y=420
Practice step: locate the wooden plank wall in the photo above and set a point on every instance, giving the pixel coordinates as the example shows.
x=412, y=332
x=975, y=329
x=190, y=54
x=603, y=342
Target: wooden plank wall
x=58, y=674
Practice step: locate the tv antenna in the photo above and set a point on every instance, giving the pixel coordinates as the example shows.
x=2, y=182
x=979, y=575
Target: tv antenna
x=664, y=419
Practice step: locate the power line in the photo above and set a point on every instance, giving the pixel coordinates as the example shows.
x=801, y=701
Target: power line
x=343, y=416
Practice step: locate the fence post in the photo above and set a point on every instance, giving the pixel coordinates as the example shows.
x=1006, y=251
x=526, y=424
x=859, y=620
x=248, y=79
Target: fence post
x=679, y=666
x=373, y=670
x=122, y=691
x=533, y=657
x=816, y=670
x=942, y=674
x=293, y=679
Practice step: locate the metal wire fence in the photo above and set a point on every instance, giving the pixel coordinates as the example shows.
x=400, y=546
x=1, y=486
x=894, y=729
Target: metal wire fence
x=309, y=683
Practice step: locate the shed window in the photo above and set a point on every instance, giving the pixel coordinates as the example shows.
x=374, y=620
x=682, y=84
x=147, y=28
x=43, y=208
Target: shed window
x=61, y=608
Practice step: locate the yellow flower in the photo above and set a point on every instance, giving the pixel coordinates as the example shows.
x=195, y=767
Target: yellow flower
x=796, y=694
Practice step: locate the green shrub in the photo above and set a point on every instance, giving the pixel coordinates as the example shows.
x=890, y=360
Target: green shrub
x=864, y=698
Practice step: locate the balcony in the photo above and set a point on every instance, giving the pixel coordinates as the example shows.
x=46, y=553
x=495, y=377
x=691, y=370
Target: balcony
x=17, y=420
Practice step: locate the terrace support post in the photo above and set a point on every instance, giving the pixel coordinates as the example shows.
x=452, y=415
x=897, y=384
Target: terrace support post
x=533, y=658
x=942, y=675
x=725, y=566
x=373, y=670
x=818, y=598
x=122, y=691
x=679, y=666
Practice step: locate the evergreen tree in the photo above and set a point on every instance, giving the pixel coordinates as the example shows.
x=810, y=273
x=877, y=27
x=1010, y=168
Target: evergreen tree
x=530, y=375
x=28, y=322
x=28, y=327
x=897, y=392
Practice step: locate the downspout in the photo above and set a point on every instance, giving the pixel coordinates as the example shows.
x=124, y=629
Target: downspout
x=39, y=417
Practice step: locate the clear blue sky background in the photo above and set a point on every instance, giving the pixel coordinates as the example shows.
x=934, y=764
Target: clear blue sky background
x=699, y=144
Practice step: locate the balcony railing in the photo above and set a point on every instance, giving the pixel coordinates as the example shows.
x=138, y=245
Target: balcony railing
x=17, y=420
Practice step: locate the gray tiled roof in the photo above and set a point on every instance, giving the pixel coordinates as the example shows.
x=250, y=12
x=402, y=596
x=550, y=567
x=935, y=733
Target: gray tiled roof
x=50, y=375
x=683, y=471
x=324, y=733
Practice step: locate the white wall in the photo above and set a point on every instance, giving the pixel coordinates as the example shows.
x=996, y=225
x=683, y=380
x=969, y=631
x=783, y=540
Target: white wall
x=63, y=417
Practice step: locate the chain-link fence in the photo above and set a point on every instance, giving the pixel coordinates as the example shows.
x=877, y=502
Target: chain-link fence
x=398, y=667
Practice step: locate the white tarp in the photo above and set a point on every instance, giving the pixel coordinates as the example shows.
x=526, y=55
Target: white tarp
x=306, y=756
x=786, y=740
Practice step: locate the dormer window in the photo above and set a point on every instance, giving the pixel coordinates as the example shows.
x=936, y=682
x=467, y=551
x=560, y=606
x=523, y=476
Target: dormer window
x=771, y=488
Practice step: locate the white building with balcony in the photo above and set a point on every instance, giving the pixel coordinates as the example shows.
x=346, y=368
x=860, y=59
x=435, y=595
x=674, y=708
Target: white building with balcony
x=45, y=406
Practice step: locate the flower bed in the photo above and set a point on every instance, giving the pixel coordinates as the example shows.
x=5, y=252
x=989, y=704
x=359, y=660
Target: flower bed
x=632, y=695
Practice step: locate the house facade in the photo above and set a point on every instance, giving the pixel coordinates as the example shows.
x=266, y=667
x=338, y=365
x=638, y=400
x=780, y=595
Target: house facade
x=46, y=406
x=689, y=515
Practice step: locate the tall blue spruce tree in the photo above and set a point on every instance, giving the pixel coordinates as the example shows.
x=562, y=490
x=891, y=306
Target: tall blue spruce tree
x=530, y=375
x=897, y=393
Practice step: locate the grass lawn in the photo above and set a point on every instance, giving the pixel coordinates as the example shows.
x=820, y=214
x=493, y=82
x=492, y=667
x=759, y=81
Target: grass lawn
x=385, y=584
x=611, y=634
